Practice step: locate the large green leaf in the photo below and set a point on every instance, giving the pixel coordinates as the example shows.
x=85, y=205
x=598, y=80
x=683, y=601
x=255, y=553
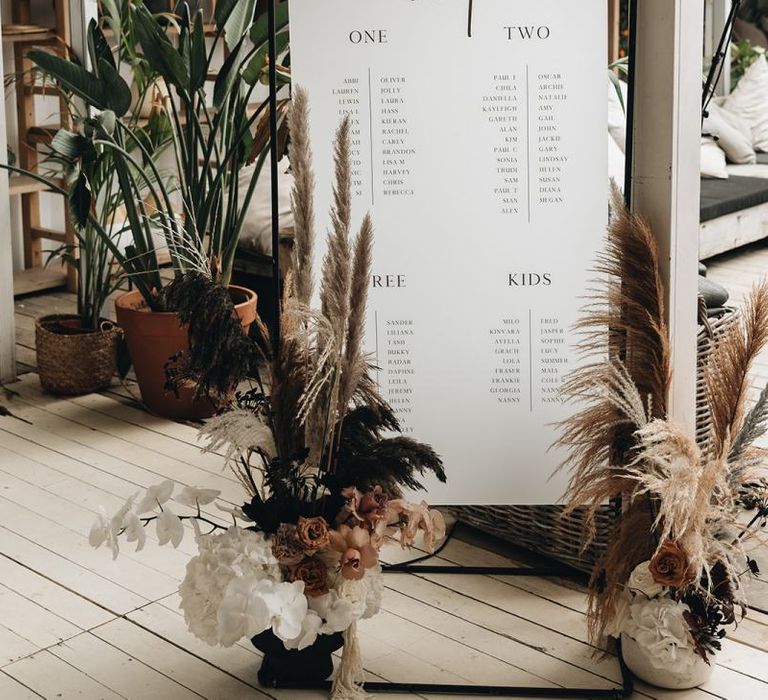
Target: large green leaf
x=80, y=201
x=161, y=55
x=72, y=77
x=230, y=70
x=69, y=144
x=260, y=30
x=223, y=11
x=198, y=60
x=238, y=22
x=98, y=46
x=252, y=71
x=118, y=92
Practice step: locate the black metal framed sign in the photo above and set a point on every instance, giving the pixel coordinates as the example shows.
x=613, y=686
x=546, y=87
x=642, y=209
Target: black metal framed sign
x=480, y=132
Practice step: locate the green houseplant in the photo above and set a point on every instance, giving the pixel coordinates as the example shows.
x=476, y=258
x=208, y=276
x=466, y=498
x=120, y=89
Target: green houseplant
x=77, y=353
x=192, y=210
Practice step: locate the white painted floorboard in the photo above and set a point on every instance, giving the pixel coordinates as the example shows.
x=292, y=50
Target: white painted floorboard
x=75, y=624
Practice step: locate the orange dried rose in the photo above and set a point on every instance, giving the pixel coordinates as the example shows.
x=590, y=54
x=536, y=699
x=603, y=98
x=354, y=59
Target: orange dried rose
x=312, y=534
x=314, y=573
x=670, y=566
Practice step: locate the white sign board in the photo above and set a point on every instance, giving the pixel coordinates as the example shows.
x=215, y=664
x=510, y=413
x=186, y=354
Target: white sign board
x=480, y=149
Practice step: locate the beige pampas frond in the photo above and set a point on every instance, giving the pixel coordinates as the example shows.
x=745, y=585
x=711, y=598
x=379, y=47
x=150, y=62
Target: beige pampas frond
x=625, y=391
x=334, y=291
x=625, y=320
x=238, y=433
x=354, y=366
x=727, y=371
x=688, y=491
x=302, y=197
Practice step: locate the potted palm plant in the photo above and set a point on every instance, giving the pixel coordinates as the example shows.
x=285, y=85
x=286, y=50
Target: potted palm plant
x=77, y=353
x=187, y=352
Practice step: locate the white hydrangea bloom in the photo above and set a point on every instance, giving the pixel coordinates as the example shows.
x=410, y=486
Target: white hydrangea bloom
x=222, y=557
x=659, y=628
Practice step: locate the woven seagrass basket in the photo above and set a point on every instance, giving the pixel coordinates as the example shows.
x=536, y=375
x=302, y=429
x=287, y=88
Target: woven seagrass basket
x=72, y=362
x=544, y=530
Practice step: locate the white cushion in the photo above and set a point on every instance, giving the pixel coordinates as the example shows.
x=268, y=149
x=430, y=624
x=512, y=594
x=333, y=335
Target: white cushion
x=256, y=234
x=749, y=100
x=617, y=118
x=732, y=133
x=712, y=160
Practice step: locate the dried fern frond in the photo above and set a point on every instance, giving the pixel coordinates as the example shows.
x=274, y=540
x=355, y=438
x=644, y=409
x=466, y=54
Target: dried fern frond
x=726, y=375
x=302, y=196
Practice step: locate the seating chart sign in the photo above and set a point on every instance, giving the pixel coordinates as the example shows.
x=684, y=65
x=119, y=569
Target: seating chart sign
x=479, y=147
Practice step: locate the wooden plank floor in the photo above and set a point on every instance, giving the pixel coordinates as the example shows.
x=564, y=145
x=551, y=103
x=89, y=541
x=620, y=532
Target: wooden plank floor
x=75, y=624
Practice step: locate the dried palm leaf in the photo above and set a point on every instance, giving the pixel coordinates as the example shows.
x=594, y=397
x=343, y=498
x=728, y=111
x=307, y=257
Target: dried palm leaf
x=754, y=426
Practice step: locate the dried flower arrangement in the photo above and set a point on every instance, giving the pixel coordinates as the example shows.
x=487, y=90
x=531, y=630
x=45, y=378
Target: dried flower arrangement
x=323, y=482
x=671, y=577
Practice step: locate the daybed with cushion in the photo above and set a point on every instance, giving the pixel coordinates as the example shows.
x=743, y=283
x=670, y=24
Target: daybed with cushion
x=734, y=163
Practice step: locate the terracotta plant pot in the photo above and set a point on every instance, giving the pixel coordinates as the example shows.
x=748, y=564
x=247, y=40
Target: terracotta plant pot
x=153, y=338
x=310, y=665
x=72, y=360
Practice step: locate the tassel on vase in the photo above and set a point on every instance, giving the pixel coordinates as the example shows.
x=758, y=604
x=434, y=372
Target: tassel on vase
x=348, y=684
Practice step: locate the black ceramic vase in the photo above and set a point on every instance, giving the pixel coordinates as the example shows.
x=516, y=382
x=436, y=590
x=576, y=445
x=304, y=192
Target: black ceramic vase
x=310, y=665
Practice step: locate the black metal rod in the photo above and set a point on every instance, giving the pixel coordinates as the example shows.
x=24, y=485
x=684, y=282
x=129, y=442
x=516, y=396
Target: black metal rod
x=629, y=141
x=562, y=572
x=716, y=69
x=497, y=691
x=272, y=31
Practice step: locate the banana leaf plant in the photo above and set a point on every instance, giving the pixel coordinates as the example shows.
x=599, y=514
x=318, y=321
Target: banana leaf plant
x=197, y=214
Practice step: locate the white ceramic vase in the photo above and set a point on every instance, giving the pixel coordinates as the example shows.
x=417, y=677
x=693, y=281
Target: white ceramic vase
x=673, y=678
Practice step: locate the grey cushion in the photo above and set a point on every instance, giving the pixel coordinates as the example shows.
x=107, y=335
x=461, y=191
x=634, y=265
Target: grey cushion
x=714, y=294
x=721, y=197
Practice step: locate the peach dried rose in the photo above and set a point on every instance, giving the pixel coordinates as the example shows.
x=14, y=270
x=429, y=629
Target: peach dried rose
x=670, y=566
x=312, y=534
x=313, y=572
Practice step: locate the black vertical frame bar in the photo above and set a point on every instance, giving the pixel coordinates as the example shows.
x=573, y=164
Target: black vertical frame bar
x=273, y=155
x=629, y=141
